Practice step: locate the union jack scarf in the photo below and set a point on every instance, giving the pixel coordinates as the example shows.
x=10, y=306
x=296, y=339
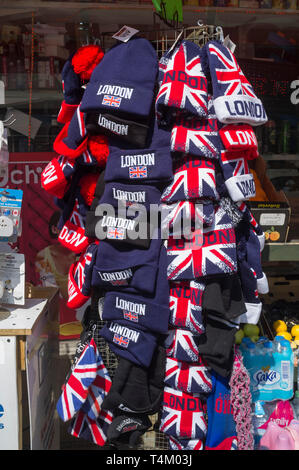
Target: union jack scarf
x=234, y=97
x=72, y=234
x=180, y=344
x=181, y=218
x=185, y=303
x=189, y=378
x=211, y=251
x=183, y=83
x=193, y=178
x=73, y=138
x=185, y=444
x=182, y=415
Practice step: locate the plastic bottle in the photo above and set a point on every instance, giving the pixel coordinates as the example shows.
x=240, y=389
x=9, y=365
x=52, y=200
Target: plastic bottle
x=258, y=419
x=295, y=404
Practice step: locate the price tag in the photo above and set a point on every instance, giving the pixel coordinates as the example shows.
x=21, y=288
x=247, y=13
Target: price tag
x=125, y=33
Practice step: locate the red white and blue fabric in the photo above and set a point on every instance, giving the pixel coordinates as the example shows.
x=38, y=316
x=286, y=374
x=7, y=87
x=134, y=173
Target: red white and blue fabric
x=182, y=217
x=238, y=179
x=180, y=344
x=183, y=84
x=91, y=430
x=185, y=303
x=234, y=97
x=193, y=178
x=55, y=178
x=185, y=444
x=97, y=391
x=182, y=415
x=190, y=378
x=72, y=234
x=76, y=388
x=72, y=139
x=211, y=251
x=240, y=137
x=251, y=220
x=79, y=278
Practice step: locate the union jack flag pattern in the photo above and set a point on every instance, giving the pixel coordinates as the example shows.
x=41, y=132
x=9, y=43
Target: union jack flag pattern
x=97, y=391
x=184, y=85
x=193, y=178
x=185, y=303
x=211, y=251
x=180, y=344
x=239, y=181
x=113, y=101
x=185, y=444
x=190, y=378
x=76, y=388
x=79, y=278
x=234, y=97
x=138, y=172
x=115, y=233
x=182, y=415
x=91, y=430
x=182, y=217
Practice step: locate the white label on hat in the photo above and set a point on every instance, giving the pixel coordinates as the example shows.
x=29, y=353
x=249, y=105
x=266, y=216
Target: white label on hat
x=229, y=44
x=125, y=33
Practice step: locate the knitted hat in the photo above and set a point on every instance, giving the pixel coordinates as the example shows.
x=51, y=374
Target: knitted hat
x=240, y=137
x=190, y=378
x=126, y=430
x=221, y=429
x=215, y=346
x=193, y=178
x=239, y=181
x=76, y=71
x=199, y=137
x=150, y=165
x=118, y=86
x=185, y=302
x=183, y=85
x=150, y=312
x=182, y=415
x=75, y=390
x=135, y=344
x=72, y=234
x=120, y=266
x=181, y=218
x=56, y=176
x=211, y=251
x=225, y=296
x=130, y=195
x=185, y=444
x=79, y=278
x=136, y=389
x=94, y=431
x=234, y=98
x=182, y=345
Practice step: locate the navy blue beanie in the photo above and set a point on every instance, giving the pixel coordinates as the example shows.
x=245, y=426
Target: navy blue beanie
x=124, y=81
x=150, y=312
x=136, y=345
x=149, y=165
x=119, y=266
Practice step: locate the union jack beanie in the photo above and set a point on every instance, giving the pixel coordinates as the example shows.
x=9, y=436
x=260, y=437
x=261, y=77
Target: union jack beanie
x=182, y=415
x=79, y=278
x=119, y=266
x=147, y=166
x=185, y=303
x=240, y=137
x=238, y=179
x=222, y=434
x=149, y=311
x=183, y=85
x=182, y=345
x=136, y=389
x=55, y=178
x=234, y=97
x=135, y=344
x=190, y=378
x=211, y=251
x=193, y=178
x=118, y=86
x=199, y=137
x=77, y=71
x=181, y=218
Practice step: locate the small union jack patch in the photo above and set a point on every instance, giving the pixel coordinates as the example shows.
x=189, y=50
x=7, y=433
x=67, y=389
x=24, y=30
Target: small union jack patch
x=138, y=172
x=116, y=233
x=130, y=316
x=109, y=100
x=121, y=340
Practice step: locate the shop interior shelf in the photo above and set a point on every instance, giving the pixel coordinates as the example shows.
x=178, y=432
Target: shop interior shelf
x=281, y=252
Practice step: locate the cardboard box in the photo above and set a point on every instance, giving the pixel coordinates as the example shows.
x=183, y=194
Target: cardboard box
x=273, y=215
